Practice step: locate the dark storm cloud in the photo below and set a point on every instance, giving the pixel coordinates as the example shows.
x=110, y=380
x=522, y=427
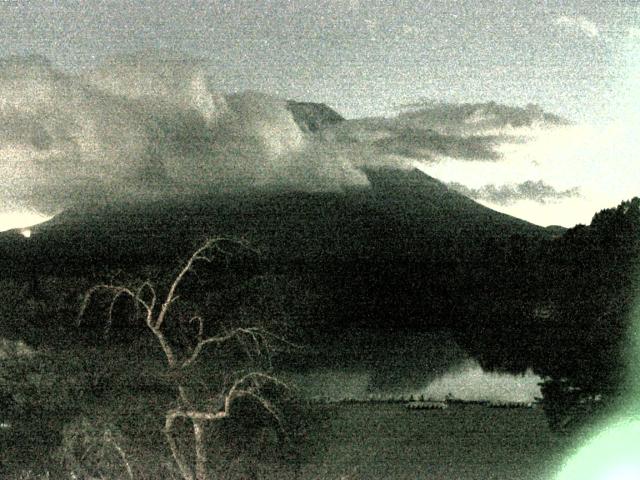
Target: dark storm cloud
x=538, y=191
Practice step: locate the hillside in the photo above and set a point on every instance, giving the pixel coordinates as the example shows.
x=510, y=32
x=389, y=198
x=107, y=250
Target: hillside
x=389, y=257
x=403, y=215
x=312, y=117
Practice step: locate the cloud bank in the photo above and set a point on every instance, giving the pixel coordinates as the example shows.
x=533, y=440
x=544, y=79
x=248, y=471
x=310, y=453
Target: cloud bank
x=154, y=125
x=146, y=124
x=469, y=382
x=140, y=127
x=537, y=191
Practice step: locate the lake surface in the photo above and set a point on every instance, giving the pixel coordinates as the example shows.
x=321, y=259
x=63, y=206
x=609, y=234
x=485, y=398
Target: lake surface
x=464, y=442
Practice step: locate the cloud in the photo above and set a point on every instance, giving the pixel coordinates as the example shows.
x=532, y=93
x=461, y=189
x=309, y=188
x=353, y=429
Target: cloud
x=427, y=144
x=411, y=140
x=152, y=126
x=474, y=118
x=429, y=132
x=538, y=191
x=159, y=78
x=141, y=127
x=578, y=24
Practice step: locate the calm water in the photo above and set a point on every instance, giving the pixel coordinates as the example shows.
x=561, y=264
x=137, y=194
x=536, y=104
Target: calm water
x=384, y=441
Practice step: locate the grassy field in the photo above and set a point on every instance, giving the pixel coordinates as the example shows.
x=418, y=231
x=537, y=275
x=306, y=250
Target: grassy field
x=464, y=442
x=388, y=441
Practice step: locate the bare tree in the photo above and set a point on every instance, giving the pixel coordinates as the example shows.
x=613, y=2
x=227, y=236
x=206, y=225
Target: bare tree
x=248, y=385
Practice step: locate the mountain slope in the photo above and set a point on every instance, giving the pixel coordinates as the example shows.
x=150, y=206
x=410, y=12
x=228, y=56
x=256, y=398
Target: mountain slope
x=404, y=214
x=356, y=276
x=312, y=117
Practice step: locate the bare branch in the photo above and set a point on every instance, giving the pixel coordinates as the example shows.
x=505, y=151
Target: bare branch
x=200, y=449
x=266, y=404
x=250, y=376
x=87, y=299
x=196, y=416
x=164, y=344
x=249, y=385
x=253, y=333
x=148, y=286
x=282, y=340
x=200, y=321
x=182, y=392
x=109, y=438
x=170, y=418
x=119, y=292
x=171, y=296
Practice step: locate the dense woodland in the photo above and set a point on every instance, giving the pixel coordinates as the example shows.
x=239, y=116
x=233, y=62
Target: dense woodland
x=562, y=307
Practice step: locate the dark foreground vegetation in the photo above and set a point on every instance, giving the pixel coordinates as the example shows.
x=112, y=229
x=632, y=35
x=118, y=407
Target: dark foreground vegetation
x=113, y=405
x=564, y=308
x=92, y=394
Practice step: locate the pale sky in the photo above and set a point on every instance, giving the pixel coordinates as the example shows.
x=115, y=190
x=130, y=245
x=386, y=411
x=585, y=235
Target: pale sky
x=361, y=57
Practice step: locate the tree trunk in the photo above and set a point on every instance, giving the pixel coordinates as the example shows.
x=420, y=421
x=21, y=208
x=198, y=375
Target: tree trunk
x=201, y=451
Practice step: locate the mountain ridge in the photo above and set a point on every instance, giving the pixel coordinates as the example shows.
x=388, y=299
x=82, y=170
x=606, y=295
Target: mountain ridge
x=400, y=215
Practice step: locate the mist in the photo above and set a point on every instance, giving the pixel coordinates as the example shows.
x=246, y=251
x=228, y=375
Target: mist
x=465, y=381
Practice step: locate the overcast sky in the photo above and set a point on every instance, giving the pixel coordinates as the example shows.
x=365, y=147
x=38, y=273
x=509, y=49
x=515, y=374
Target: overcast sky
x=362, y=57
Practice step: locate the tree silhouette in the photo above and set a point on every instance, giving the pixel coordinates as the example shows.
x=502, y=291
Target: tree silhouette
x=181, y=360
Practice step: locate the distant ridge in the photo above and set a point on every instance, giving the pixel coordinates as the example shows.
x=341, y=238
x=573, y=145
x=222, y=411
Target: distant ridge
x=312, y=117
x=402, y=214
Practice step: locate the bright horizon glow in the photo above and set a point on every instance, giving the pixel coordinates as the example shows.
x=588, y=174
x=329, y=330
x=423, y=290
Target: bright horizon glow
x=600, y=157
x=472, y=383
x=598, y=160
x=21, y=219
x=466, y=381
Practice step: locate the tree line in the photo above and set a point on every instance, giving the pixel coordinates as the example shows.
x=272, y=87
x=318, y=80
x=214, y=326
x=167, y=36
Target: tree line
x=561, y=306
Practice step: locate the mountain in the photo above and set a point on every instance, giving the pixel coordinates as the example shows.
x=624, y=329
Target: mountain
x=403, y=215
x=312, y=117
x=358, y=276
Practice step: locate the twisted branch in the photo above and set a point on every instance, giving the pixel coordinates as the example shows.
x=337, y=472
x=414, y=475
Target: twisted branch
x=198, y=255
x=247, y=386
